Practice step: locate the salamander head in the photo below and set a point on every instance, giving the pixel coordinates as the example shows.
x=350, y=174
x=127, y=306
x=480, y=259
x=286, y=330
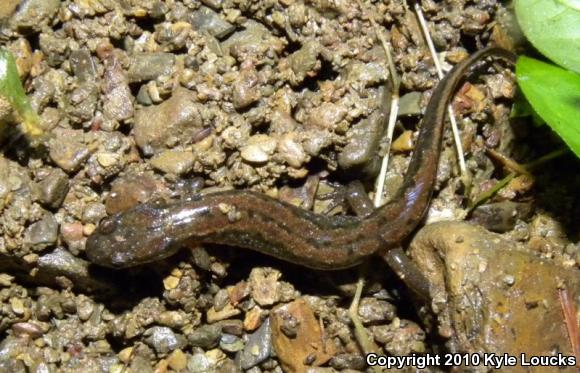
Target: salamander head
x=130, y=238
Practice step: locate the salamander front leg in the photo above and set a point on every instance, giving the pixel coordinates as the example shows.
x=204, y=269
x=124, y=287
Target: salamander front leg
x=359, y=202
x=353, y=195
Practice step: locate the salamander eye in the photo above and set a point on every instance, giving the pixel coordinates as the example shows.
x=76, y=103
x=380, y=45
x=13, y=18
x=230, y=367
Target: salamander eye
x=107, y=226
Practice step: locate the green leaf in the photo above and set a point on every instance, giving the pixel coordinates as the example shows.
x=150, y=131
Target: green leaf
x=11, y=89
x=522, y=109
x=553, y=27
x=554, y=93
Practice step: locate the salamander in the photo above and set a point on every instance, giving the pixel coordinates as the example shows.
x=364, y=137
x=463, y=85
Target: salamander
x=242, y=218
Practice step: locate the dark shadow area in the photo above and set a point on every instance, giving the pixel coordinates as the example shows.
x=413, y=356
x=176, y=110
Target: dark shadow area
x=146, y=23
x=34, y=40
x=376, y=272
x=292, y=46
x=16, y=146
x=556, y=191
x=469, y=42
x=326, y=72
x=128, y=286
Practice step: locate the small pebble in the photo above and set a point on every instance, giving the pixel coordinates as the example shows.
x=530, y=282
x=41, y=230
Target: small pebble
x=6, y=279
x=231, y=343
x=178, y=117
x=509, y=280
x=259, y=148
x=53, y=188
x=172, y=319
x=238, y=292
x=234, y=327
x=199, y=363
x=163, y=339
x=68, y=154
x=258, y=347
x=30, y=258
x=107, y=160
x=348, y=361
x=17, y=306
x=125, y=354
x=206, y=20
x=173, y=162
x=149, y=66
x=85, y=308
x=227, y=312
x=291, y=150
x=170, y=282
x=253, y=319
x=221, y=299
x=93, y=212
x=42, y=233
x=88, y=229
x=264, y=286
x=71, y=232
x=246, y=89
x=127, y=191
x=206, y=336
x=404, y=142
x=372, y=310
x=326, y=116
x=177, y=360
x=27, y=328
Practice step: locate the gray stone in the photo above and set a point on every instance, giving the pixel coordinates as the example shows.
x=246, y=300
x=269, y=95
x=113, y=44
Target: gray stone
x=53, y=188
x=148, y=66
x=260, y=341
x=205, y=19
x=178, y=117
x=42, y=233
x=31, y=14
x=206, y=336
x=163, y=339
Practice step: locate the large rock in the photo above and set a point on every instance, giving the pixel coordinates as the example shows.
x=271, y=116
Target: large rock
x=177, y=118
x=491, y=296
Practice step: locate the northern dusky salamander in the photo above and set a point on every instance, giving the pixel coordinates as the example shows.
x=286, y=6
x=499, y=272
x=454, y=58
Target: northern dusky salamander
x=241, y=218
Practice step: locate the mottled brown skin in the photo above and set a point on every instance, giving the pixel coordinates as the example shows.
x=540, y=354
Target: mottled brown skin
x=156, y=230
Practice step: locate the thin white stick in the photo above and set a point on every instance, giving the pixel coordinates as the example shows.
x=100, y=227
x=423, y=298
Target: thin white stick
x=380, y=182
x=361, y=335
x=450, y=112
